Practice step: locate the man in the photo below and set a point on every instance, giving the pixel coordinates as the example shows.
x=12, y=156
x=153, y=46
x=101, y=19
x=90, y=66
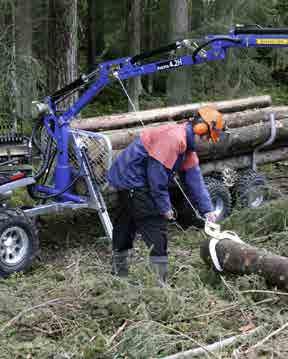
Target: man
x=141, y=174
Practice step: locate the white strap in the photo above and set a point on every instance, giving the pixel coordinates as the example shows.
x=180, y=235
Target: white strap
x=212, y=249
x=213, y=230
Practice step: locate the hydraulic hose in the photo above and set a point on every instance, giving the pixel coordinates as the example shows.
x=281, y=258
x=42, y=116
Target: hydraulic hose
x=201, y=47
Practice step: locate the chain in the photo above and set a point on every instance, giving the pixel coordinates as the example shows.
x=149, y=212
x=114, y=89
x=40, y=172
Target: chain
x=128, y=96
x=188, y=200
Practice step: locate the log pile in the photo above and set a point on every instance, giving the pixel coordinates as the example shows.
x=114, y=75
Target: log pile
x=247, y=120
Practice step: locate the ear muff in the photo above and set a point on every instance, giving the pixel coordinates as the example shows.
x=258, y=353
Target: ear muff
x=201, y=129
x=214, y=121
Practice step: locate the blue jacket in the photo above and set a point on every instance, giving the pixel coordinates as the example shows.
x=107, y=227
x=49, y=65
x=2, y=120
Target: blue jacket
x=134, y=168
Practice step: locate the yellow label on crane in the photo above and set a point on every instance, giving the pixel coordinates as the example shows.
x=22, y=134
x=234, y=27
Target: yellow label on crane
x=272, y=41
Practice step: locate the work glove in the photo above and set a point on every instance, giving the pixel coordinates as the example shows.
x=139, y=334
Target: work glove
x=170, y=215
x=211, y=217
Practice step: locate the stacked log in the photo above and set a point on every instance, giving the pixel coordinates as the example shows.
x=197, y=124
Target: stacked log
x=175, y=113
x=247, y=120
x=121, y=138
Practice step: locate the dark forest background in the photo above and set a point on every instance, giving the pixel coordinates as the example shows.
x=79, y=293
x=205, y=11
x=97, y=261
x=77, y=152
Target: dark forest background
x=45, y=44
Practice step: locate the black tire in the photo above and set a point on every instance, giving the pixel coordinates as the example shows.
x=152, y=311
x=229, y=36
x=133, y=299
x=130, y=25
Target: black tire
x=19, y=242
x=220, y=197
x=219, y=194
x=250, y=190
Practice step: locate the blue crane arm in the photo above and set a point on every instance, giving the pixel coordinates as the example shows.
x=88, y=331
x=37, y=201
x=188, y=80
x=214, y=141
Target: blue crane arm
x=209, y=48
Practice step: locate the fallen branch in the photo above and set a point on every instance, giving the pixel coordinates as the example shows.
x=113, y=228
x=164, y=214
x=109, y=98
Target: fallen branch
x=259, y=291
x=264, y=340
x=212, y=347
x=118, y=332
x=27, y=310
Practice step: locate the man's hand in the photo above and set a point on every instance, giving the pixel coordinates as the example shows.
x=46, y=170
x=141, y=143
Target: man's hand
x=211, y=217
x=169, y=215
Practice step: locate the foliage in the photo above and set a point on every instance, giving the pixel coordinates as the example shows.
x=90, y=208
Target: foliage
x=244, y=72
x=69, y=306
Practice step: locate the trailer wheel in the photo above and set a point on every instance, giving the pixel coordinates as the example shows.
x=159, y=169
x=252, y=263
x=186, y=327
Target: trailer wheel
x=250, y=190
x=220, y=197
x=18, y=242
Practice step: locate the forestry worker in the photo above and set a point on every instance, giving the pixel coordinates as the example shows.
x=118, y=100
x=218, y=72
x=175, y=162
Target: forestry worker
x=141, y=174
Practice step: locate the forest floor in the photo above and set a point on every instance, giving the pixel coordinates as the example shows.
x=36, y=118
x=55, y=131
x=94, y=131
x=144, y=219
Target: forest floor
x=69, y=305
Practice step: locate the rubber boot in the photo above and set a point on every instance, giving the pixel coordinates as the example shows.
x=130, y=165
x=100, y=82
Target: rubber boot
x=120, y=266
x=159, y=266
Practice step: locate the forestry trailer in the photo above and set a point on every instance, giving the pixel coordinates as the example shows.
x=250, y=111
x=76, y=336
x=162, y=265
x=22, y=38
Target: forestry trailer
x=71, y=159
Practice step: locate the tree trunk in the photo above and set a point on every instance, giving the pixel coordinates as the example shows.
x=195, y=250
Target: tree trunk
x=40, y=15
x=72, y=43
x=168, y=113
x=197, y=14
x=62, y=45
x=134, y=40
x=23, y=52
x=244, y=259
x=178, y=82
x=96, y=42
x=149, y=38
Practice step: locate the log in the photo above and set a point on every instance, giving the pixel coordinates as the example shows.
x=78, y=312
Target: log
x=239, y=142
x=242, y=140
x=122, y=138
x=167, y=113
x=240, y=162
x=251, y=117
x=278, y=152
x=238, y=258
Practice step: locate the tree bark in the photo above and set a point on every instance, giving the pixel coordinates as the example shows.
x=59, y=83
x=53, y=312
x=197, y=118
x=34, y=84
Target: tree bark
x=168, y=113
x=134, y=40
x=178, y=82
x=62, y=45
x=197, y=14
x=240, y=258
x=23, y=51
x=149, y=38
x=96, y=42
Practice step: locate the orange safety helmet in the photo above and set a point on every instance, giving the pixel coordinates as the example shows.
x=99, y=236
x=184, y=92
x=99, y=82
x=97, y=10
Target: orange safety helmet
x=209, y=122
